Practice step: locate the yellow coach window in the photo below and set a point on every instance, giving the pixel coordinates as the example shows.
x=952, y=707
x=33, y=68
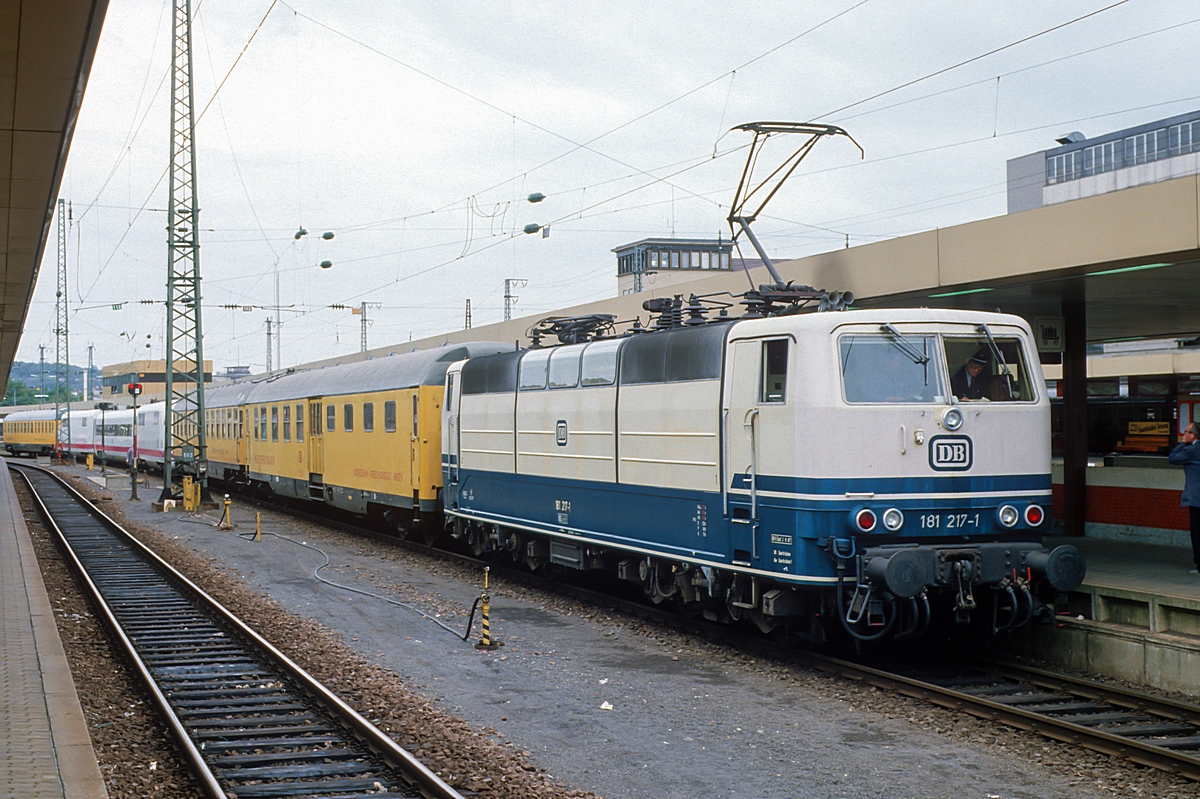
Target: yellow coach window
x=389, y=416
x=368, y=417
x=348, y=417
x=287, y=422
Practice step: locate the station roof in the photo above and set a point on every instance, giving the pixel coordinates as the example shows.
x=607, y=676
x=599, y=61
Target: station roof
x=46, y=51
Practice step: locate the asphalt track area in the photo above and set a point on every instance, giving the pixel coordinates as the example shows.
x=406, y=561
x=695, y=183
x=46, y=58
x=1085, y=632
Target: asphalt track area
x=626, y=709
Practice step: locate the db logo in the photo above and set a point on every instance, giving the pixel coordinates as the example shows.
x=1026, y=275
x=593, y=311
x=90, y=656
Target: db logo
x=950, y=453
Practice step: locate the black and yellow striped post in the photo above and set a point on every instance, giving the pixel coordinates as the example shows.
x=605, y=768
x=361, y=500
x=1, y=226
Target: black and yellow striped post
x=485, y=607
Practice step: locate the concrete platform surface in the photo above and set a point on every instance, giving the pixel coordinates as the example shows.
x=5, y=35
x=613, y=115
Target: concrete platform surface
x=45, y=750
x=1137, y=566
x=1136, y=617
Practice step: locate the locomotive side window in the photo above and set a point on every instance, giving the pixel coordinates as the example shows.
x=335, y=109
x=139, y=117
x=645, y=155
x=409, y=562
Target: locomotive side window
x=389, y=409
x=983, y=369
x=885, y=368
x=564, y=366
x=599, y=365
x=274, y=422
x=299, y=423
x=262, y=424
x=330, y=418
x=348, y=417
x=414, y=403
x=256, y=424
x=533, y=369
x=287, y=422
x=368, y=417
x=774, y=371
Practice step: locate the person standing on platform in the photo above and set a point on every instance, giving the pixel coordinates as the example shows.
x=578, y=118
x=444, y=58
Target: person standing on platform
x=1187, y=455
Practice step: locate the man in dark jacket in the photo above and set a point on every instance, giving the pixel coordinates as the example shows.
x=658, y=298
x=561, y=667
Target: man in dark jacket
x=973, y=381
x=1187, y=455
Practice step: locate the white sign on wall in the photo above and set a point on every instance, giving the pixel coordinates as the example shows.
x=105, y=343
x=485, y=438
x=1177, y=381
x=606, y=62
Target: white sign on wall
x=1048, y=330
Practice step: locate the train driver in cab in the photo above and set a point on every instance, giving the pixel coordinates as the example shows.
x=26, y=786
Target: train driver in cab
x=974, y=381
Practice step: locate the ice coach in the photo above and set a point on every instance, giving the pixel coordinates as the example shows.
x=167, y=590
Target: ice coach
x=878, y=467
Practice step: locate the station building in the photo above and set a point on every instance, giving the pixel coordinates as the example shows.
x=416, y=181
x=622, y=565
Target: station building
x=1085, y=167
x=151, y=374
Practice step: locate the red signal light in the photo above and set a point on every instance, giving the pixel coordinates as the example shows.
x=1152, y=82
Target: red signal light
x=864, y=520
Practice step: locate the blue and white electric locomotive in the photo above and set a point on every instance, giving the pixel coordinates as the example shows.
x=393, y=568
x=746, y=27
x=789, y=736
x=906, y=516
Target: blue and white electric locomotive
x=866, y=469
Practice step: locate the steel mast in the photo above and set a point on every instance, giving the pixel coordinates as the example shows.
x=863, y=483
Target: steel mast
x=62, y=357
x=185, y=445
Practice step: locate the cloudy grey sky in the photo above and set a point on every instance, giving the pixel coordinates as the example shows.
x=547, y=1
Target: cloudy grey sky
x=414, y=131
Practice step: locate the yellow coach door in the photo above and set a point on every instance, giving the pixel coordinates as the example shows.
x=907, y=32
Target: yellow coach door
x=316, y=441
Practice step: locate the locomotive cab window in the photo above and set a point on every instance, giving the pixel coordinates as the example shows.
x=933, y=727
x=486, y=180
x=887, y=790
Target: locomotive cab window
x=984, y=369
x=389, y=411
x=368, y=417
x=774, y=371
x=533, y=369
x=348, y=417
x=891, y=368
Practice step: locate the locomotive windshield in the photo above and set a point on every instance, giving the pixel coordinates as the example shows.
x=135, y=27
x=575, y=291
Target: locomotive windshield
x=888, y=368
x=891, y=367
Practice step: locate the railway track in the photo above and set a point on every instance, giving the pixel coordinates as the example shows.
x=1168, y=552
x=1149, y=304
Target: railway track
x=1124, y=723
x=248, y=721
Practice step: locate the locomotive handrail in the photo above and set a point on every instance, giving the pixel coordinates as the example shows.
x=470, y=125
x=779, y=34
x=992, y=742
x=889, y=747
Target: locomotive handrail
x=748, y=422
x=722, y=464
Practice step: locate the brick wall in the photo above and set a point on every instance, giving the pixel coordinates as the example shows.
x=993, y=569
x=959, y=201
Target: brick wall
x=1138, y=507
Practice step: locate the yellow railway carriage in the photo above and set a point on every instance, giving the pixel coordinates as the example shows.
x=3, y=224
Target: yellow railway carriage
x=364, y=437
x=30, y=432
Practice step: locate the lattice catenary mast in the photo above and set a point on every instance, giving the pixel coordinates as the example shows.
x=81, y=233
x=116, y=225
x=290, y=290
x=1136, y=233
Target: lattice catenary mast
x=510, y=299
x=62, y=356
x=184, y=416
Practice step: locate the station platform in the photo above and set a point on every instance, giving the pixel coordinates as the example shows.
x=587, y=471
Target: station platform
x=45, y=750
x=1136, y=617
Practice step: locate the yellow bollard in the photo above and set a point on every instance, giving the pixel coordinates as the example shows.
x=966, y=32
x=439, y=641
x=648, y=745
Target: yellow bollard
x=189, y=504
x=226, y=518
x=91, y=461
x=485, y=607
x=258, y=527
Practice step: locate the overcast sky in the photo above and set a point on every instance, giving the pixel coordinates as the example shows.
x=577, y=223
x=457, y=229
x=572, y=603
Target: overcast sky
x=414, y=131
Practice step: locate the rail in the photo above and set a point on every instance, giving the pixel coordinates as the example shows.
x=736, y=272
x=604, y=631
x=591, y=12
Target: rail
x=248, y=721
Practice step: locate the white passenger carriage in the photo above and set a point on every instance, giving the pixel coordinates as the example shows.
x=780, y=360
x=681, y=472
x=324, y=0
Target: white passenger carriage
x=793, y=467
x=109, y=433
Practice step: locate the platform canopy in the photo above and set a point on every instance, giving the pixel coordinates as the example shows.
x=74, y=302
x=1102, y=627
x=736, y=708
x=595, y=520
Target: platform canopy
x=46, y=51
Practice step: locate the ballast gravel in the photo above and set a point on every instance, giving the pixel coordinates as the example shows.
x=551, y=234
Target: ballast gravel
x=585, y=701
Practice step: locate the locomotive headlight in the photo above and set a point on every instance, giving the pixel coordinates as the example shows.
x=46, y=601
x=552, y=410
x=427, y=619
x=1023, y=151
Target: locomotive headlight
x=1008, y=515
x=864, y=520
x=893, y=519
x=952, y=419
x=1034, y=515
